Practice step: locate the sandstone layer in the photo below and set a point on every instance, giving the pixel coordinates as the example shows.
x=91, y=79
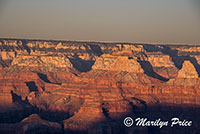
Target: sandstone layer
x=89, y=87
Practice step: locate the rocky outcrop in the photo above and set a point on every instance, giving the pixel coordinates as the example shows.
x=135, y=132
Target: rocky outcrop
x=187, y=71
x=89, y=87
x=32, y=124
x=117, y=63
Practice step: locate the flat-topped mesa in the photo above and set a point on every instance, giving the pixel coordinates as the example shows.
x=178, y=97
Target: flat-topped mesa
x=187, y=71
x=117, y=63
x=44, y=61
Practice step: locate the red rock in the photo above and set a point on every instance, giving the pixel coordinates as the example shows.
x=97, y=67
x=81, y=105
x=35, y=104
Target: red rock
x=94, y=84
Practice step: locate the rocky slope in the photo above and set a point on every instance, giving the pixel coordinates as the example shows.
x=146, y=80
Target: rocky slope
x=89, y=87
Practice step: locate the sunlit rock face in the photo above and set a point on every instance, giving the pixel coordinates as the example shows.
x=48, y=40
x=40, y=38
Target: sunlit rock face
x=89, y=87
x=188, y=71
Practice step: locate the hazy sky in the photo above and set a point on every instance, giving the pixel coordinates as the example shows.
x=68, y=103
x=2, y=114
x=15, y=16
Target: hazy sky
x=152, y=21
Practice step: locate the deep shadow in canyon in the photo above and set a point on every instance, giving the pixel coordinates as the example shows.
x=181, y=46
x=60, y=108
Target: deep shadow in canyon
x=148, y=69
x=25, y=109
x=43, y=77
x=32, y=86
x=96, y=49
x=83, y=65
x=112, y=125
x=176, y=58
x=153, y=112
x=80, y=64
x=15, y=115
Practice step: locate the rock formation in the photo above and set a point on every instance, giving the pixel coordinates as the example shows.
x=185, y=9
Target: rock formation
x=187, y=71
x=89, y=87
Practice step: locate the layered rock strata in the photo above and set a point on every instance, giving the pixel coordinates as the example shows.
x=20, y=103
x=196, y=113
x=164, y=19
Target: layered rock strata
x=88, y=87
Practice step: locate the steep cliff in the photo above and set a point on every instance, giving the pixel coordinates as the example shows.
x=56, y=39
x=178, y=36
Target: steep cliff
x=88, y=87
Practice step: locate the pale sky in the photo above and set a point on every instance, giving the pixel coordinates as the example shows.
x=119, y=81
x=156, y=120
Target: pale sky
x=146, y=21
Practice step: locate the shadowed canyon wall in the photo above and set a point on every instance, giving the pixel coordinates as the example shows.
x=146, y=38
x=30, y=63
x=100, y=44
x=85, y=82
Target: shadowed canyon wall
x=89, y=87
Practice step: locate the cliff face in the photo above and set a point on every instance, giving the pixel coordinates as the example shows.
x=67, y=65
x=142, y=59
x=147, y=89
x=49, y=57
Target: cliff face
x=83, y=83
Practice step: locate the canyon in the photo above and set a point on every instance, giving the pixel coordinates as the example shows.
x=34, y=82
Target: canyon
x=90, y=87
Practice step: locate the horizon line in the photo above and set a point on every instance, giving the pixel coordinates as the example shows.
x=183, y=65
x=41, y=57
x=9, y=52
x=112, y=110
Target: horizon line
x=99, y=41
